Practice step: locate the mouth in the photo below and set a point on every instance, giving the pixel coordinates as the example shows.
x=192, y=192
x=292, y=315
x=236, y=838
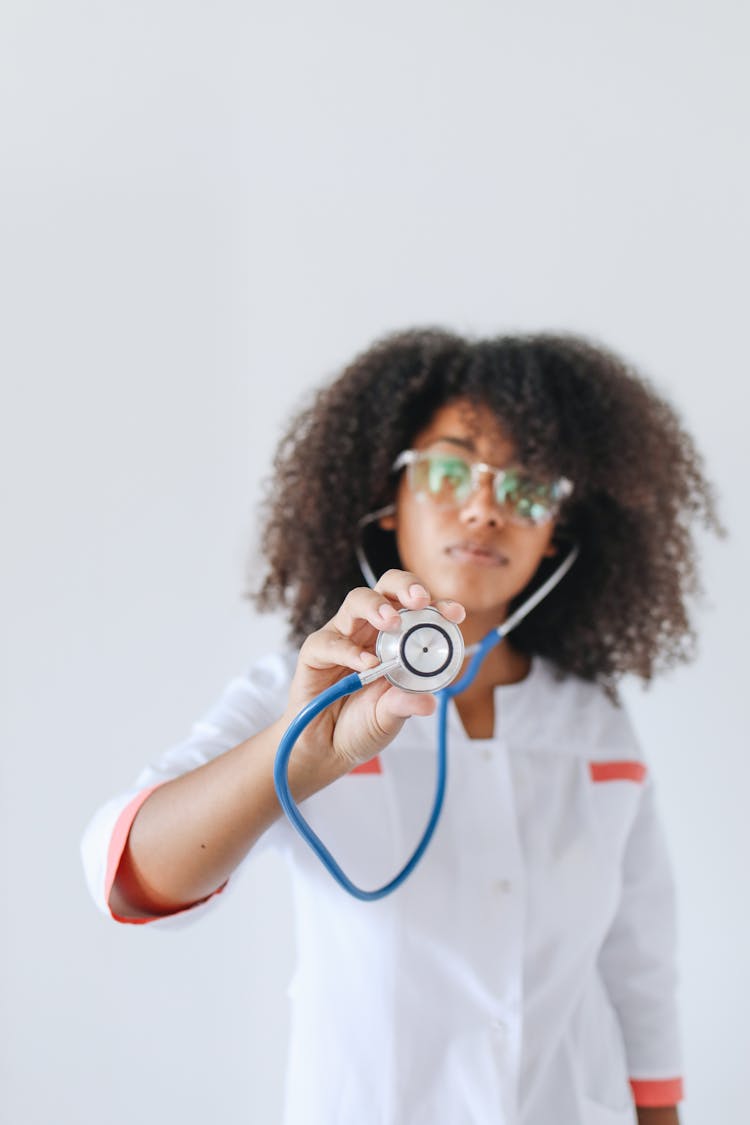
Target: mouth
x=476, y=554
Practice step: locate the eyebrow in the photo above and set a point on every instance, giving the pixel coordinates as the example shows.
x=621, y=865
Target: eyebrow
x=467, y=443
x=462, y=443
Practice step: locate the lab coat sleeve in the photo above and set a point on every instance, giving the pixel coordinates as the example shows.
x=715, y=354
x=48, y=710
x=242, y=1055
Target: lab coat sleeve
x=637, y=961
x=249, y=704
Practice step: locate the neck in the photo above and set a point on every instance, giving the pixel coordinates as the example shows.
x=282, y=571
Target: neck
x=503, y=664
x=476, y=626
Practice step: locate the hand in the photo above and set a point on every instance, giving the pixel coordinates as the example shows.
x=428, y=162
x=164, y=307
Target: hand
x=356, y=728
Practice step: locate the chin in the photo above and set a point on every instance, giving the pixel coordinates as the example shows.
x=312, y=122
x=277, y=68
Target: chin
x=475, y=591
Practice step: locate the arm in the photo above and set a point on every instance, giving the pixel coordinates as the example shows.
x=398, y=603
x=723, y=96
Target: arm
x=658, y=1115
x=637, y=963
x=191, y=832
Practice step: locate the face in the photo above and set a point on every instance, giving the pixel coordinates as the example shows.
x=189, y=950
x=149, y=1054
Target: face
x=471, y=553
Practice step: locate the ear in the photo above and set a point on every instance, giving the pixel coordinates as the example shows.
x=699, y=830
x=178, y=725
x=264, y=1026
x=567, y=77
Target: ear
x=387, y=523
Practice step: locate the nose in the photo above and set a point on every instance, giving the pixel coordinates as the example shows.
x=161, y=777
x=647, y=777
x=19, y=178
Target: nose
x=481, y=508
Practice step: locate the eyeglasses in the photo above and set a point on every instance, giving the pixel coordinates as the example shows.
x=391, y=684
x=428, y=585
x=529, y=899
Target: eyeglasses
x=449, y=480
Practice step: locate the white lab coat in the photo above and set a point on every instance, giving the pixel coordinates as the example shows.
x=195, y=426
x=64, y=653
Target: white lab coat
x=524, y=974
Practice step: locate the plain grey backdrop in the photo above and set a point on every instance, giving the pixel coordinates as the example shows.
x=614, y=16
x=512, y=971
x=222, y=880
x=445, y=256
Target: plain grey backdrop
x=206, y=210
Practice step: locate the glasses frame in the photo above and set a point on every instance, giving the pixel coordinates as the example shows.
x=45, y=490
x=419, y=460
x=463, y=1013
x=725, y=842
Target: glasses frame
x=410, y=457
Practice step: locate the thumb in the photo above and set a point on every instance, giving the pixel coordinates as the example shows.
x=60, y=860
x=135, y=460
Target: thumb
x=395, y=706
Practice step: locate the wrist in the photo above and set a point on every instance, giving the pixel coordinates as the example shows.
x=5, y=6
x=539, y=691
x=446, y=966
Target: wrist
x=312, y=764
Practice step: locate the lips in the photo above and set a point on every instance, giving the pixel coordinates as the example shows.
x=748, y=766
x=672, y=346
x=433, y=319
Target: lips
x=479, y=554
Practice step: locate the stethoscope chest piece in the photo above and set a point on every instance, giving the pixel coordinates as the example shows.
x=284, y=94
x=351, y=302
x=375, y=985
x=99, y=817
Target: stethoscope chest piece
x=429, y=650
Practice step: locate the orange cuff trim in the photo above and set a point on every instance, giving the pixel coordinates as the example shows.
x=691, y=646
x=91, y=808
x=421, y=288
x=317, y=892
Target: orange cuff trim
x=373, y=766
x=117, y=844
x=617, y=771
x=657, y=1092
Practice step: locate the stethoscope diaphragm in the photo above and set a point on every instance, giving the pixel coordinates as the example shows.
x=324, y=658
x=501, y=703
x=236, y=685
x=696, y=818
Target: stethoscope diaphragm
x=426, y=653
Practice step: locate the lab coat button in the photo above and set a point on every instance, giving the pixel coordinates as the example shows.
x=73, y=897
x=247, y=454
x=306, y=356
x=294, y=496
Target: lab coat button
x=487, y=754
x=503, y=886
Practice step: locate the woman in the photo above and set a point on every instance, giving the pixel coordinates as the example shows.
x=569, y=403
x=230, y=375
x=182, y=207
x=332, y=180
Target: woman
x=525, y=971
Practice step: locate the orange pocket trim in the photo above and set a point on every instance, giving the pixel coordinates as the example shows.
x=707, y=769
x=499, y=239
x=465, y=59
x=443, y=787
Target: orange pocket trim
x=617, y=771
x=373, y=766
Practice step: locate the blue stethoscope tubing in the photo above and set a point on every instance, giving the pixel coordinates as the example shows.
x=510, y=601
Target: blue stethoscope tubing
x=352, y=683
x=348, y=686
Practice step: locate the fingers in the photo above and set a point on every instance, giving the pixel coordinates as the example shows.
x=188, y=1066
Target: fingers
x=454, y=611
x=364, y=605
x=372, y=718
x=379, y=607
x=406, y=587
x=329, y=649
x=347, y=640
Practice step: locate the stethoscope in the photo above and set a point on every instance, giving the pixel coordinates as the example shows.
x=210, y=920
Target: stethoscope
x=426, y=654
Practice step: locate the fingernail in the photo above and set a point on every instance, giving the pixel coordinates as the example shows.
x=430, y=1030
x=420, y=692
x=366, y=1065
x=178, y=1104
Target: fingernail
x=418, y=591
x=387, y=611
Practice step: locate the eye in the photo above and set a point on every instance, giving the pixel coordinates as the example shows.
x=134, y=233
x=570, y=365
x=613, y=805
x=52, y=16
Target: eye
x=532, y=500
x=447, y=470
x=443, y=476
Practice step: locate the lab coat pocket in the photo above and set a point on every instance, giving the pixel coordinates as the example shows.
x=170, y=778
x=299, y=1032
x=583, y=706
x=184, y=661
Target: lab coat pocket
x=595, y=1113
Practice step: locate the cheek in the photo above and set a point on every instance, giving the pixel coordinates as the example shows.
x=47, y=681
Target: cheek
x=419, y=532
x=413, y=547
x=533, y=548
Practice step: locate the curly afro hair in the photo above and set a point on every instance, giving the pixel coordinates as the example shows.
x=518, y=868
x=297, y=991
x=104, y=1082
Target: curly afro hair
x=572, y=408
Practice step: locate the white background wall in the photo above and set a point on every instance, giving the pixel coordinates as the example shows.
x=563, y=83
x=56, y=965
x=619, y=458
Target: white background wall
x=206, y=209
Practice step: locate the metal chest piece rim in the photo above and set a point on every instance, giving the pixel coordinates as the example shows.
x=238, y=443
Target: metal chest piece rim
x=428, y=647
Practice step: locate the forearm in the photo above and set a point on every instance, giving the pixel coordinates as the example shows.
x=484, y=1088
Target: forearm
x=190, y=833
x=658, y=1115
